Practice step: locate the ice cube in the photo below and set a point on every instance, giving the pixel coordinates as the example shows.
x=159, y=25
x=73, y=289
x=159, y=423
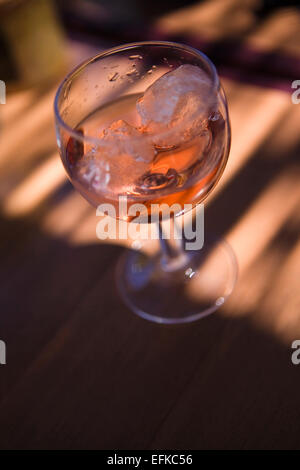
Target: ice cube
x=94, y=172
x=124, y=173
x=116, y=165
x=126, y=139
x=180, y=98
x=101, y=174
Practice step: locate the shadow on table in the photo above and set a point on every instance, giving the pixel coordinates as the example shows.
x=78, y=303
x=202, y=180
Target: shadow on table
x=84, y=372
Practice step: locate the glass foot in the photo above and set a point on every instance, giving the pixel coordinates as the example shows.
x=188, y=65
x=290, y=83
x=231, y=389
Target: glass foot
x=178, y=290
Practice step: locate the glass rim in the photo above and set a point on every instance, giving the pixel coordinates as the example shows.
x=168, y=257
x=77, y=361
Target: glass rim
x=76, y=134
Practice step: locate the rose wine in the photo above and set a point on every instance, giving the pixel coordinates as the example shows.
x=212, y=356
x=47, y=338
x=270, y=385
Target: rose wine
x=150, y=175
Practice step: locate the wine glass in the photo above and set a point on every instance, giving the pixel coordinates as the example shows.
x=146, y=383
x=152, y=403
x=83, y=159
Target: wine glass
x=111, y=150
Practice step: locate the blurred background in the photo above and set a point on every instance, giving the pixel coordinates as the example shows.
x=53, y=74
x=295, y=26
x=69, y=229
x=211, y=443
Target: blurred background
x=84, y=372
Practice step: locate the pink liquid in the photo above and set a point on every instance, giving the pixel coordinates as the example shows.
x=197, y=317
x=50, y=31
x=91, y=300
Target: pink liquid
x=181, y=175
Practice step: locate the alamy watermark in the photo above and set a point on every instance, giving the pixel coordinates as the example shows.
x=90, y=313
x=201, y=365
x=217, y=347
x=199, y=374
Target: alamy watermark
x=190, y=231
x=296, y=93
x=2, y=92
x=2, y=352
x=295, y=358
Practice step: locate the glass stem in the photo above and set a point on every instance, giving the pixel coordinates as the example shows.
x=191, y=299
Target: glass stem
x=171, y=244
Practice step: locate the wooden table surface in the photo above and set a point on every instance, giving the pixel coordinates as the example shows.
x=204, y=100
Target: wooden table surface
x=83, y=371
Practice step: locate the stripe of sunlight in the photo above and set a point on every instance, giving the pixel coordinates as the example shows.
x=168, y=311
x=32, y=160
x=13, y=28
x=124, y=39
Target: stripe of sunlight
x=281, y=307
x=270, y=291
x=16, y=103
x=279, y=31
x=254, y=231
x=217, y=19
x=17, y=137
x=264, y=218
x=41, y=145
x=212, y=19
x=253, y=283
x=286, y=137
x=85, y=232
x=253, y=114
x=282, y=144
x=64, y=218
x=35, y=188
